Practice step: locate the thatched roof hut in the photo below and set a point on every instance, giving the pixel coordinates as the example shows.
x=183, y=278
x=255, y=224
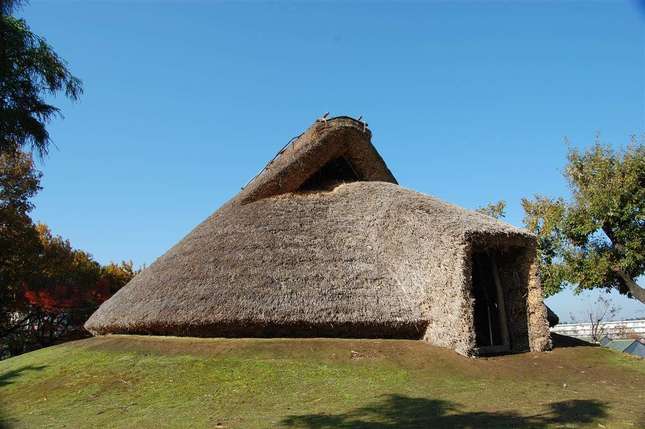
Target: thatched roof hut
x=323, y=242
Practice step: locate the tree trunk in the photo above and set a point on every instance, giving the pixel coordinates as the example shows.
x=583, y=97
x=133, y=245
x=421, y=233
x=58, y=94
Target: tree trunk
x=636, y=291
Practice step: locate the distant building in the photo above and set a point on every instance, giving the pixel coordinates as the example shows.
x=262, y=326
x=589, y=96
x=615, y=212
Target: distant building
x=619, y=329
x=632, y=347
x=637, y=348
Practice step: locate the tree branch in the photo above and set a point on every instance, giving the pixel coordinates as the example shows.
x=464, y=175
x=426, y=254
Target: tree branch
x=609, y=232
x=636, y=291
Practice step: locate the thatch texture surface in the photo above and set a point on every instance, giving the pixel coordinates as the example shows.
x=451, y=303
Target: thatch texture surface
x=368, y=259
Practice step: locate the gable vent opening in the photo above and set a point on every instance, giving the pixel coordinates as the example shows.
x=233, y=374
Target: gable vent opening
x=330, y=175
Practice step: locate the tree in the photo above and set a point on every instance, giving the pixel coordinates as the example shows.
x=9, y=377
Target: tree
x=19, y=181
x=496, y=210
x=30, y=71
x=56, y=298
x=543, y=216
x=596, y=240
x=603, y=310
x=20, y=244
x=47, y=288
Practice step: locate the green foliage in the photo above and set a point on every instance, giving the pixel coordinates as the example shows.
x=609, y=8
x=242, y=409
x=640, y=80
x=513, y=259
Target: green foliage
x=543, y=217
x=117, y=275
x=20, y=245
x=62, y=264
x=30, y=71
x=19, y=181
x=496, y=210
x=597, y=240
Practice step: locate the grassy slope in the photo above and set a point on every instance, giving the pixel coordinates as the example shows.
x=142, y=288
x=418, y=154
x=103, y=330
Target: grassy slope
x=157, y=382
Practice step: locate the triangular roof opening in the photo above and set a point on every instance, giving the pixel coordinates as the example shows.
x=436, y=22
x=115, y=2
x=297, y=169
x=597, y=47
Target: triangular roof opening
x=336, y=151
x=335, y=172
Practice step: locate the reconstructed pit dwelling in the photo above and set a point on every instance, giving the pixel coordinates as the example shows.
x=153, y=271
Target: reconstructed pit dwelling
x=325, y=243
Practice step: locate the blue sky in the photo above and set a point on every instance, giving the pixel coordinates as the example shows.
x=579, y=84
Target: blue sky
x=185, y=101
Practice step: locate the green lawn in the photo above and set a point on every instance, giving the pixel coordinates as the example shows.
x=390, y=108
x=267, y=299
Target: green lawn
x=154, y=382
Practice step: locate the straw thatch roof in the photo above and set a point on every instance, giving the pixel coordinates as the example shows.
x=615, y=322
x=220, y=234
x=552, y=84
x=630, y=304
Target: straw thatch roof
x=299, y=253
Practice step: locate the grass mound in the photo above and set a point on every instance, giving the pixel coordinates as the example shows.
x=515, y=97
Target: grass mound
x=154, y=382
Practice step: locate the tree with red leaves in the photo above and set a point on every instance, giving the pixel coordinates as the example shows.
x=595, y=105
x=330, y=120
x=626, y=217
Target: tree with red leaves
x=47, y=288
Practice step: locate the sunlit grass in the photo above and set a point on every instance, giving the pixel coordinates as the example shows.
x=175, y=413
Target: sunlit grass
x=137, y=382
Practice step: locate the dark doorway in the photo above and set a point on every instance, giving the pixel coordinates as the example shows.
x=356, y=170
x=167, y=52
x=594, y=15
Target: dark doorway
x=491, y=329
x=336, y=171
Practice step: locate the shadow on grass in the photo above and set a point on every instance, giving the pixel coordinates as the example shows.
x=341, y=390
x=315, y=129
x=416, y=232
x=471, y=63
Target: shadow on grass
x=397, y=411
x=8, y=378
x=563, y=341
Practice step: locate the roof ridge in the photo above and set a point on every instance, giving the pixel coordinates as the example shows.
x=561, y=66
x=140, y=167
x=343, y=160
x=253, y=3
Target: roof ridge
x=305, y=154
